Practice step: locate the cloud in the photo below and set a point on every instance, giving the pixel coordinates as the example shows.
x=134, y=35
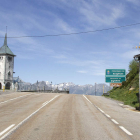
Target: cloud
x=96, y=17
x=64, y=26
x=99, y=73
x=76, y=62
x=130, y=54
x=136, y=2
x=59, y=56
x=82, y=71
x=21, y=56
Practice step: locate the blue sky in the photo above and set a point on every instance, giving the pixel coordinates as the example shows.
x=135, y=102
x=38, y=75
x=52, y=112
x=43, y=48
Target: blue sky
x=81, y=59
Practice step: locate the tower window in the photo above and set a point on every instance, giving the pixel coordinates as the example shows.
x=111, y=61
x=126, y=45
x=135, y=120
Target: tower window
x=9, y=75
x=9, y=58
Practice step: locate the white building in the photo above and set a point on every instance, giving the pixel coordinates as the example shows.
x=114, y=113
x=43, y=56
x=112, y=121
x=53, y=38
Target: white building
x=6, y=66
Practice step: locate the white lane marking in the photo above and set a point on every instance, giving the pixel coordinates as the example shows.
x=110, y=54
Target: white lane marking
x=114, y=121
x=101, y=110
x=86, y=98
x=49, y=101
x=107, y=115
x=92, y=103
x=125, y=130
x=45, y=103
x=1, y=133
x=17, y=126
x=14, y=98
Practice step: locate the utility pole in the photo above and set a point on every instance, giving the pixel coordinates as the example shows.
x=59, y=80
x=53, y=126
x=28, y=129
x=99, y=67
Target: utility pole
x=103, y=89
x=95, y=89
x=51, y=86
x=137, y=58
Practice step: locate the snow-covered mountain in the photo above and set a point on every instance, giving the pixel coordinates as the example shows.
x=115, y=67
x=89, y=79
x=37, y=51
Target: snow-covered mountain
x=74, y=89
x=85, y=89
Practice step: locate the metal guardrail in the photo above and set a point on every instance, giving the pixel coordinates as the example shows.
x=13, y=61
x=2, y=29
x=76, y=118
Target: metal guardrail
x=45, y=91
x=107, y=94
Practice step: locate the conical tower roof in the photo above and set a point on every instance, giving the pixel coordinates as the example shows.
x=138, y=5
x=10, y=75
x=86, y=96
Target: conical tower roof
x=5, y=49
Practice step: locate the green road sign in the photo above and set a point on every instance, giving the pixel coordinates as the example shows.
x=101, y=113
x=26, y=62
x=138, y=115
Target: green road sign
x=114, y=79
x=115, y=72
x=115, y=75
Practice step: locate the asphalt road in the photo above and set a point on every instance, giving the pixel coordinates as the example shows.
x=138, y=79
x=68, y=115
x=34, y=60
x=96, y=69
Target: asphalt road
x=44, y=116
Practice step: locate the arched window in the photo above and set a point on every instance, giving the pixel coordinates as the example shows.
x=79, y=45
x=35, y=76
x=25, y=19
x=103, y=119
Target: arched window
x=7, y=86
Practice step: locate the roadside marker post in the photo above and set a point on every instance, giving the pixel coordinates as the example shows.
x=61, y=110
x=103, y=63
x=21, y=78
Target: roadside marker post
x=137, y=58
x=3, y=88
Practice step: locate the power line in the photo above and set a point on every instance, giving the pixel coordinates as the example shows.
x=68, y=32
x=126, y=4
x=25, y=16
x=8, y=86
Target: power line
x=79, y=32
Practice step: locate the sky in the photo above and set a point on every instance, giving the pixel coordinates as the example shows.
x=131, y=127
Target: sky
x=78, y=58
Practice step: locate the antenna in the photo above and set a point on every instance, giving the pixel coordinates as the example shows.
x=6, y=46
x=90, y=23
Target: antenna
x=6, y=29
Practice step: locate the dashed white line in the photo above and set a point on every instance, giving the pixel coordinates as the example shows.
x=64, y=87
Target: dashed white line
x=17, y=126
x=101, y=110
x=125, y=130
x=107, y=115
x=1, y=133
x=114, y=121
x=14, y=98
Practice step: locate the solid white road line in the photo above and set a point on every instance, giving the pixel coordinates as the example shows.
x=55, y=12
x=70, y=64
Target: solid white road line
x=125, y=130
x=87, y=98
x=1, y=133
x=14, y=98
x=49, y=101
x=17, y=126
x=114, y=121
x=45, y=103
x=107, y=115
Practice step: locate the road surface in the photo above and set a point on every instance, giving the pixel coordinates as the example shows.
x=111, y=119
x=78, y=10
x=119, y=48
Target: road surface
x=53, y=116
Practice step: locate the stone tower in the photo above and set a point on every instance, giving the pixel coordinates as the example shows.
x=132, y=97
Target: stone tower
x=6, y=66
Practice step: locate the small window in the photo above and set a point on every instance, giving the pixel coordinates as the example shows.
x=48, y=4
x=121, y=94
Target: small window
x=9, y=58
x=9, y=75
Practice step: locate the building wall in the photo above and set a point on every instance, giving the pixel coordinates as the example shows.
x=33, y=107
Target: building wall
x=6, y=66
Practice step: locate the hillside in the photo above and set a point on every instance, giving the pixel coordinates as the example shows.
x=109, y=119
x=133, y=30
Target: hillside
x=129, y=89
